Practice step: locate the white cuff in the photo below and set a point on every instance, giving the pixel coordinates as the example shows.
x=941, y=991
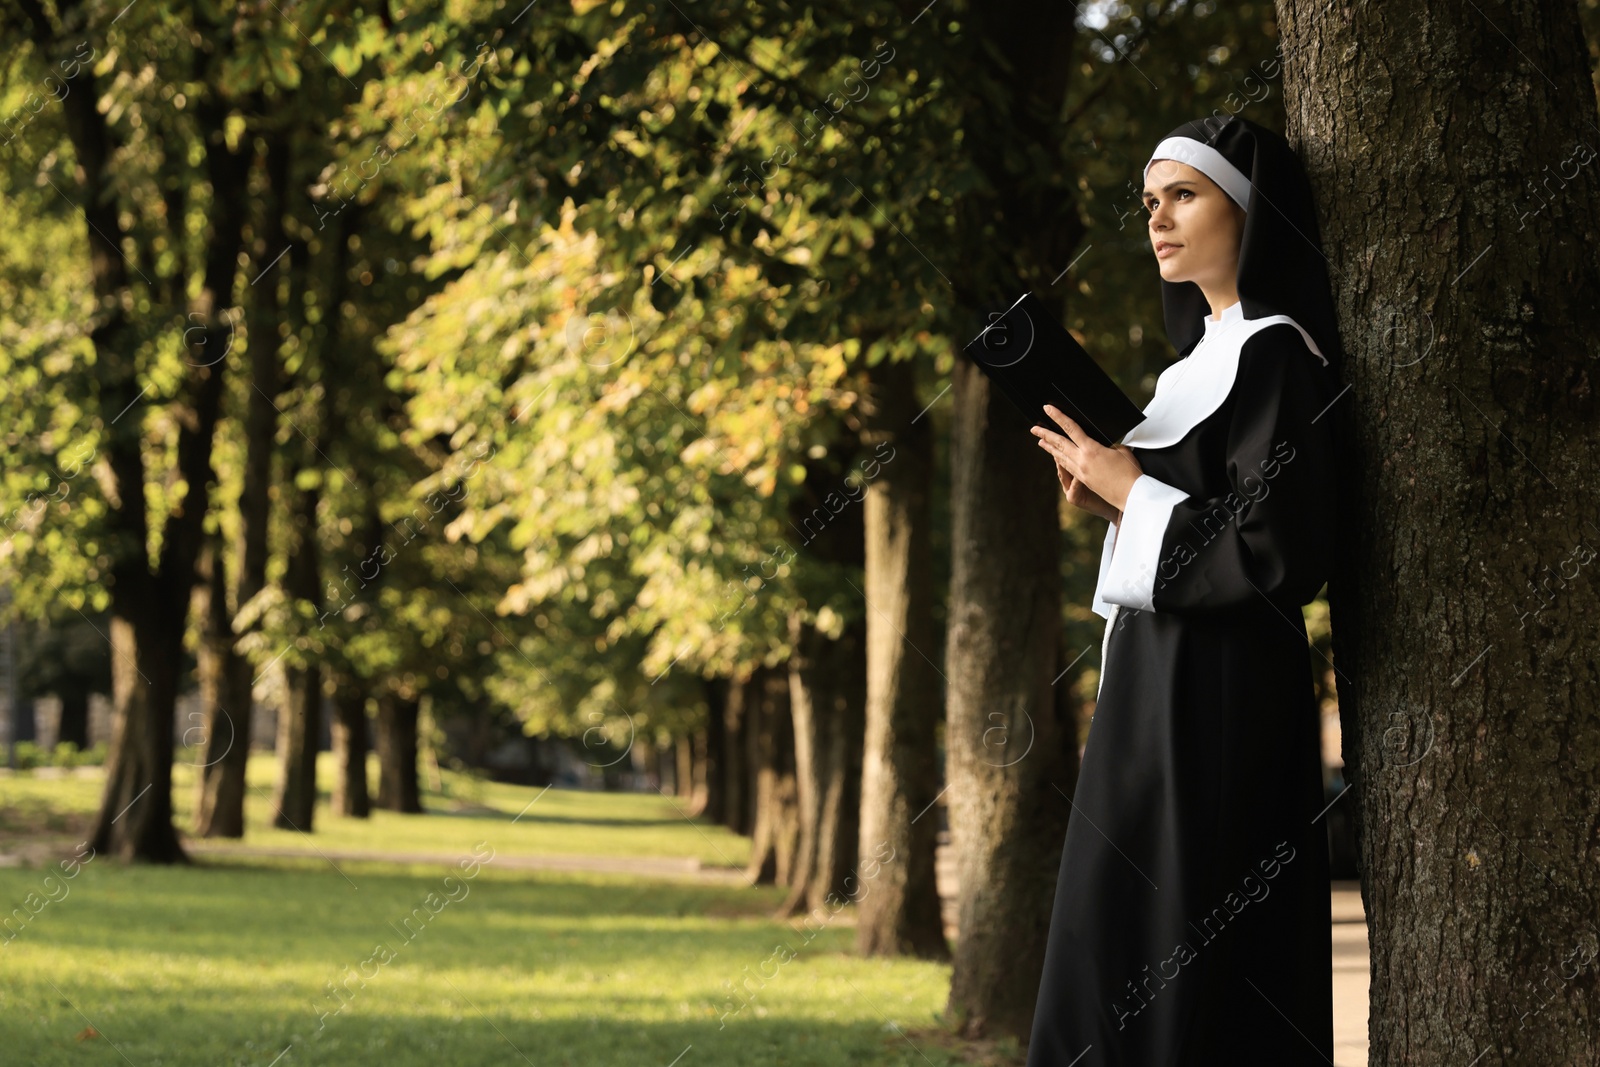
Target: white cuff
x=1101, y=606
x=1130, y=578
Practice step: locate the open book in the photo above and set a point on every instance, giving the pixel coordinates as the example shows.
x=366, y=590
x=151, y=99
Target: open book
x=1035, y=361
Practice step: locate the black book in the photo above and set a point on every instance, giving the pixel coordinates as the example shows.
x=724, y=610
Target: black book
x=1035, y=361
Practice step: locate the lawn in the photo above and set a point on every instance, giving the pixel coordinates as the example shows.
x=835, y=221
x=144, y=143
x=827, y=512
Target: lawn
x=249, y=960
x=559, y=821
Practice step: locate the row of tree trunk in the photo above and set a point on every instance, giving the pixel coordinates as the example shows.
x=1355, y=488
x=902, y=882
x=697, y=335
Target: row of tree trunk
x=830, y=761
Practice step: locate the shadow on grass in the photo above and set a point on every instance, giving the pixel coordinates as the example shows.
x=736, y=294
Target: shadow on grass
x=462, y=1034
x=236, y=963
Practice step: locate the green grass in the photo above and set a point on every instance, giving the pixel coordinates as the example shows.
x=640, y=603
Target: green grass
x=231, y=961
x=560, y=821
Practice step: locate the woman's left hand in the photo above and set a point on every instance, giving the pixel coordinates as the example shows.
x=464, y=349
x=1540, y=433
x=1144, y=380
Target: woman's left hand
x=1109, y=472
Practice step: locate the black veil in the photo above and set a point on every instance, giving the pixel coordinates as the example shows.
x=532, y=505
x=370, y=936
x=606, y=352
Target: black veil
x=1282, y=270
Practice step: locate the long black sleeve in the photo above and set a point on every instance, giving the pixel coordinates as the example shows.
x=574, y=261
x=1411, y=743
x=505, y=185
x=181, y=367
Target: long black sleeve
x=1270, y=536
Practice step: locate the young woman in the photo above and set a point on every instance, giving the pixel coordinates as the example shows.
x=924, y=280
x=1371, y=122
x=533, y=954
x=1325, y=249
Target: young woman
x=1191, y=922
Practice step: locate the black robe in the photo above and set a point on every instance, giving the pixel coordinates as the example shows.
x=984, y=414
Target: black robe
x=1192, y=920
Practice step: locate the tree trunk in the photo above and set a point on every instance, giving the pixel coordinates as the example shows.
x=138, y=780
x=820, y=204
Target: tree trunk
x=294, y=797
x=1010, y=735
x=897, y=895
x=1460, y=217
x=220, y=786
x=776, y=837
x=74, y=726
x=149, y=605
x=135, y=821
x=715, y=807
x=699, y=756
x=809, y=702
x=224, y=728
x=300, y=720
x=737, y=775
x=683, y=767
x=350, y=743
x=827, y=692
x=754, y=760
x=397, y=754
x=839, y=772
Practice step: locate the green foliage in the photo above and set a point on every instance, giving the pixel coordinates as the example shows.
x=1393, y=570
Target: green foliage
x=577, y=300
x=31, y=755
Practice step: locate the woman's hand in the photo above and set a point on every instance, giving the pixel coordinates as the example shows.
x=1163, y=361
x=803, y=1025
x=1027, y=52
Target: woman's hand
x=1095, y=478
x=1081, y=496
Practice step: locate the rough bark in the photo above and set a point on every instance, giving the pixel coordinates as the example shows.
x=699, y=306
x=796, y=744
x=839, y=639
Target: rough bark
x=1012, y=749
x=398, y=786
x=897, y=896
x=1449, y=150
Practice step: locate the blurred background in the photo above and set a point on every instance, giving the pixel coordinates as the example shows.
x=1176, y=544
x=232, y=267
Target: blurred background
x=497, y=482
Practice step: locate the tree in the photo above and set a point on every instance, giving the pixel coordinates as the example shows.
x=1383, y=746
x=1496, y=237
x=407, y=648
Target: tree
x=1469, y=361
x=151, y=552
x=900, y=778
x=68, y=658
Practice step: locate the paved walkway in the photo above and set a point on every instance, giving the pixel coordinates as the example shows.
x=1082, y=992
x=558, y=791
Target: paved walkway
x=1351, y=968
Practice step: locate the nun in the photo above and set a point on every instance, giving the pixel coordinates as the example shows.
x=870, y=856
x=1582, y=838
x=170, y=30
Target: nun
x=1191, y=923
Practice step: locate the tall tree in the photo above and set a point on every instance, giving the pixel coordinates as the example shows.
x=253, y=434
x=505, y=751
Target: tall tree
x=901, y=775
x=1012, y=753
x=68, y=657
x=152, y=552
x=227, y=703
x=827, y=682
x=1468, y=331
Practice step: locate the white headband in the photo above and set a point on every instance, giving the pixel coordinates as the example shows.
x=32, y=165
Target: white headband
x=1208, y=161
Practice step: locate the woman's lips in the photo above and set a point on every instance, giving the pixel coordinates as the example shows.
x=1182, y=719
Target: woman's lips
x=1166, y=250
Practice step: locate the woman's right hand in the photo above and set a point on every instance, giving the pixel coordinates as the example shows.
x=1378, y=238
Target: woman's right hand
x=1081, y=496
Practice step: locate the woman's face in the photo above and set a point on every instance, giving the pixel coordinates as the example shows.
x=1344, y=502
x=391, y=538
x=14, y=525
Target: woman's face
x=1191, y=212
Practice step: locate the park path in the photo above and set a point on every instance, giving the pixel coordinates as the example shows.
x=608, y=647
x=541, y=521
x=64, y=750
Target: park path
x=653, y=866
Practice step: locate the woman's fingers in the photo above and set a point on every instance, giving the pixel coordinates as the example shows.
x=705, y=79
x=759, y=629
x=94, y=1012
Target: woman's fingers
x=1050, y=437
x=1057, y=453
x=1073, y=431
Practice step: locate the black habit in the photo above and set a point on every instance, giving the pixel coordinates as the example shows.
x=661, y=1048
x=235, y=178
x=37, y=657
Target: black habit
x=1191, y=923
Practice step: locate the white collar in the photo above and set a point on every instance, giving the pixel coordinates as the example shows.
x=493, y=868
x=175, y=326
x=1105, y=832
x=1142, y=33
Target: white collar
x=1195, y=386
x=1234, y=312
